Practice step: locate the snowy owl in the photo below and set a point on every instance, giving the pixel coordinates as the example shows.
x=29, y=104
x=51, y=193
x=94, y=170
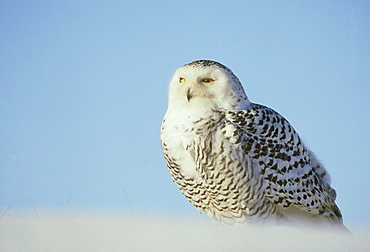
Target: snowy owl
x=240, y=162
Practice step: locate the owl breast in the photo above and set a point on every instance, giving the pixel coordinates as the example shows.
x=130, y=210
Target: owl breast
x=211, y=172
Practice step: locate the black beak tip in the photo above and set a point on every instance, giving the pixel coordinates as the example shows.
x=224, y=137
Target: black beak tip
x=188, y=95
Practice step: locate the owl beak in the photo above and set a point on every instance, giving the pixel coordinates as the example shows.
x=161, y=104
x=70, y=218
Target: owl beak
x=189, y=95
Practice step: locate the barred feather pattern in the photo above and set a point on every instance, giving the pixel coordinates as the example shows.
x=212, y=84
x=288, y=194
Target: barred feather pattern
x=249, y=162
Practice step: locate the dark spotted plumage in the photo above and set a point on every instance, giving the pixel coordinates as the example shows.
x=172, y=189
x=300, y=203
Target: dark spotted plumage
x=238, y=161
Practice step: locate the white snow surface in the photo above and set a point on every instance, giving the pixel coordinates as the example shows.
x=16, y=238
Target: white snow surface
x=132, y=233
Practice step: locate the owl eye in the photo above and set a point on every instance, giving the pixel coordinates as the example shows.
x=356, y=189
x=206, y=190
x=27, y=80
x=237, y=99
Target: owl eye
x=208, y=80
x=182, y=80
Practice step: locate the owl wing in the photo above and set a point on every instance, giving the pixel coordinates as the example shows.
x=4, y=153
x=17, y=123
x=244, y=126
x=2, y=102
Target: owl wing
x=278, y=154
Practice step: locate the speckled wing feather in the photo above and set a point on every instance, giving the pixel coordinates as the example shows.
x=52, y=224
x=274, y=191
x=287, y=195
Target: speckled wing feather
x=291, y=173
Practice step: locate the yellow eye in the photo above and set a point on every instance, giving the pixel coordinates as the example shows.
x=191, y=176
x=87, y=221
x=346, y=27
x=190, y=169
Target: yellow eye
x=208, y=80
x=182, y=80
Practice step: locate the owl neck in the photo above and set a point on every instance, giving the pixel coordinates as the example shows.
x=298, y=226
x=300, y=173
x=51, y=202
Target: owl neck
x=202, y=108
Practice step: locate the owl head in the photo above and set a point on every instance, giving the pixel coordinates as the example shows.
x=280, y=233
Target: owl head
x=206, y=83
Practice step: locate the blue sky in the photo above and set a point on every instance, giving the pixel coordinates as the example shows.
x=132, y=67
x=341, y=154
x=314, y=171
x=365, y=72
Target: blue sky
x=83, y=90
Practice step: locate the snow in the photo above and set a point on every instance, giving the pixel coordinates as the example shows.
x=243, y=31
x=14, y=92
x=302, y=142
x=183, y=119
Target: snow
x=131, y=233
